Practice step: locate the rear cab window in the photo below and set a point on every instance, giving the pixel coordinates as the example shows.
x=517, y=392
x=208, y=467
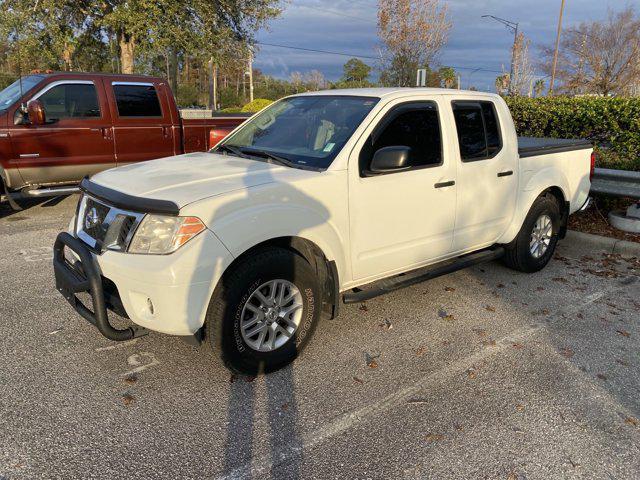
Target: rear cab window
x=136, y=100
x=478, y=130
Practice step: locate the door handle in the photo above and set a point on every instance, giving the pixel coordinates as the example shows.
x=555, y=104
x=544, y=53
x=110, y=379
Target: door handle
x=106, y=133
x=450, y=183
x=505, y=174
x=166, y=132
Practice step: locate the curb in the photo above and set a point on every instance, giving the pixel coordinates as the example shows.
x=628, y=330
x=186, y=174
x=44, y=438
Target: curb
x=608, y=244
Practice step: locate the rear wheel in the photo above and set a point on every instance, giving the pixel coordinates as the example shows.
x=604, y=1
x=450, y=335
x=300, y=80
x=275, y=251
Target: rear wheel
x=264, y=311
x=534, y=246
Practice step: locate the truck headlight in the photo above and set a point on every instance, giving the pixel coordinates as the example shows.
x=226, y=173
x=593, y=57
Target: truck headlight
x=160, y=235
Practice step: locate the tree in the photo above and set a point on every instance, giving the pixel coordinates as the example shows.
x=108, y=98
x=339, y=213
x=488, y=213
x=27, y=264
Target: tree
x=356, y=71
x=448, y=77
x=600, y=57
x=520, y=83
x=538, y=87
x=502, y=84
x=315, y=80
x=412, y=32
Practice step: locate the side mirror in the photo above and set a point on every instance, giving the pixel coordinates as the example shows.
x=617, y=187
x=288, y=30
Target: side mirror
x=35, y=112
x=391, y=159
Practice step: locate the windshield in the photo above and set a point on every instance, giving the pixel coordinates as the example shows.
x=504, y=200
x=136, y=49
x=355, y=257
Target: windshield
x=12, y=93
x=305, y=131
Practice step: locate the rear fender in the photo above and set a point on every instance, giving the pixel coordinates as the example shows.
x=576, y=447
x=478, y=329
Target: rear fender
x=533, y=187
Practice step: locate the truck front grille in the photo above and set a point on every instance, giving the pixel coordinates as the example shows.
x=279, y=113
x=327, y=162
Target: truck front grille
x=104, y=227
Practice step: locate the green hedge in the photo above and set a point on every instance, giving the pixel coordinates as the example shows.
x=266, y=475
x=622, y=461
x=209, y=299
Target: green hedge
x=613, y=124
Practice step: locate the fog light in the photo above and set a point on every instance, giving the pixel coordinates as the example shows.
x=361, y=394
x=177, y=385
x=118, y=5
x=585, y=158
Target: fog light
x=150, y=305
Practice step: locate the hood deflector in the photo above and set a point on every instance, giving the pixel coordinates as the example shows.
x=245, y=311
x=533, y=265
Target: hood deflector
x=129, y=202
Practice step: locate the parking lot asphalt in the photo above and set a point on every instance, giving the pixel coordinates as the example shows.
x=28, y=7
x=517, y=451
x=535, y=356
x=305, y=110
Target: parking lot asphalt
x=485, y=373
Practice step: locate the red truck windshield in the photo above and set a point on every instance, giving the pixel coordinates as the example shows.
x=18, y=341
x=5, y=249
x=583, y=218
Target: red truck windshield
x=13, y=92
x=307, y=131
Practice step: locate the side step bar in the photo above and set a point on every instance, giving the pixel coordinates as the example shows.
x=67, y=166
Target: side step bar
x=49, y=192
x=417, y=276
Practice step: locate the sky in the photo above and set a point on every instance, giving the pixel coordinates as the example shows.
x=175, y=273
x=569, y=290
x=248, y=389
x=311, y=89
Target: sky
x=349, y=26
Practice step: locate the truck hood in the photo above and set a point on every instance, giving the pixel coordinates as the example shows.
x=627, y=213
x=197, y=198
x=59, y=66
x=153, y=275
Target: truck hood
x=184, y=179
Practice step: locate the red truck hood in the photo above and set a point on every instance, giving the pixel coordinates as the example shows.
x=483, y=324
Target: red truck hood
x=188, y=178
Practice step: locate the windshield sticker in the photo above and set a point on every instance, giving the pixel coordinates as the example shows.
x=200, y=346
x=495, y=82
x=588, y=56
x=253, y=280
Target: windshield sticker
x=329, y=147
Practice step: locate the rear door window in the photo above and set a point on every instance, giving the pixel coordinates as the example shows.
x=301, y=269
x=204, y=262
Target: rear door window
x=137, y=100
x=478, y=130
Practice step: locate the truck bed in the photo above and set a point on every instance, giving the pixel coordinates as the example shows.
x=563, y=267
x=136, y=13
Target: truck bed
x=533, y=146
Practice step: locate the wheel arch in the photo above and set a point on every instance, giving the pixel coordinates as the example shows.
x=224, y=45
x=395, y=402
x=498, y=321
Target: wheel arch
x=325, y=268
x=557, y=193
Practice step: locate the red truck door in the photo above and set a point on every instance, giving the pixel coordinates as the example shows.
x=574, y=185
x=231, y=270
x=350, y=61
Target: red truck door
x=76, y=139
x=142, y=121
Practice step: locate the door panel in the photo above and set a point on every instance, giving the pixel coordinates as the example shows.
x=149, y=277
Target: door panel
x=402, y=220
x=143, y=128
x=487, y=180
x=76, y=140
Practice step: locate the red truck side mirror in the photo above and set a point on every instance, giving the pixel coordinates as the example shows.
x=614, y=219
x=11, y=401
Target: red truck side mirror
x=35, y=112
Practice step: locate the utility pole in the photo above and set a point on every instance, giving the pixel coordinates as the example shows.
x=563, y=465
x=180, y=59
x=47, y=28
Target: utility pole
x=555, y=53
x=513, y=26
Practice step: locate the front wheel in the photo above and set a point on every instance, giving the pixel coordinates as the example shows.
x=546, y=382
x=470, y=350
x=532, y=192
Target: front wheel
x=264, y=311
x=534, y=246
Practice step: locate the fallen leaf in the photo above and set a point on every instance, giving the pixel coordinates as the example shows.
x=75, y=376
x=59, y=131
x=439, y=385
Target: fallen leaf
x=458, y=427
x=370, y=360
x=386, y=325
x=520, y=407
x=471, y=373
x=421, y=351
x=624, y=333
x=566, y=352
x=285, y=406
x=449, y=289
x=580, y=316
x=434, y=437
x=517, y=346
x=131, y=379
x=364, y=307
x=500, y=285
x=445, y=316
x=357, y=380
x=512, y=476
x=601, y=376
x=631, y=421
x=489, y=343
x=560, y=279
x=540, y=289
x=489, y=308
x=128, y=399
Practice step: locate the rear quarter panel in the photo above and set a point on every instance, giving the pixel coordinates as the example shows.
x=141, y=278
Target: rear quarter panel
x=568, y=171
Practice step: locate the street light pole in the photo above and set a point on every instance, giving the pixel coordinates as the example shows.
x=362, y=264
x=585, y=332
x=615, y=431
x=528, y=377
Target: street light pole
x=555, y=53
x=513, y=26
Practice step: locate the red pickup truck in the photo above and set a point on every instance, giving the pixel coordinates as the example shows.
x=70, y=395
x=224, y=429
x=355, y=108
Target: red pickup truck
x=57, y=128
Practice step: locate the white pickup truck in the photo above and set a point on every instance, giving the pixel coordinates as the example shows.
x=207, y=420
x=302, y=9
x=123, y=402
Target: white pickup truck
x=319, y=199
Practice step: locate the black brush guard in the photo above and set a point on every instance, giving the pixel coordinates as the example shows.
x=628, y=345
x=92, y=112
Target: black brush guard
x=71, y=280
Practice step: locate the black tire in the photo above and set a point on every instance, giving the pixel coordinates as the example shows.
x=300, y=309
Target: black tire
x=518, y=255
x=225, y=311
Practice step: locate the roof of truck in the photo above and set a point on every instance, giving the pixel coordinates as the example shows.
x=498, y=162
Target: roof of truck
x=49, y=73
x=399, y=91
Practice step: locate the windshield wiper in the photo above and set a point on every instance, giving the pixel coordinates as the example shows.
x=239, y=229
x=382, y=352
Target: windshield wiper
x=270, y=156
x=232, y=150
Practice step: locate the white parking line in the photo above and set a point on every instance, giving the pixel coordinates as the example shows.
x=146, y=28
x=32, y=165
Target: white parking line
x=118, y=345
x=141, y=361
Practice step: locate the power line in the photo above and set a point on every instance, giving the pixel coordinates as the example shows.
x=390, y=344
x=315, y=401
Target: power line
x=316, y=51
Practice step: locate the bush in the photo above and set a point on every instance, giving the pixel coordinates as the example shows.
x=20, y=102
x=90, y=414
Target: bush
x=613, y=124
x=232, y=110
x=257, y=105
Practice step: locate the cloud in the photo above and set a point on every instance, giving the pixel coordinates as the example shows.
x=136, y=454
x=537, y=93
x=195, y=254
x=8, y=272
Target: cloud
x=474, y=42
